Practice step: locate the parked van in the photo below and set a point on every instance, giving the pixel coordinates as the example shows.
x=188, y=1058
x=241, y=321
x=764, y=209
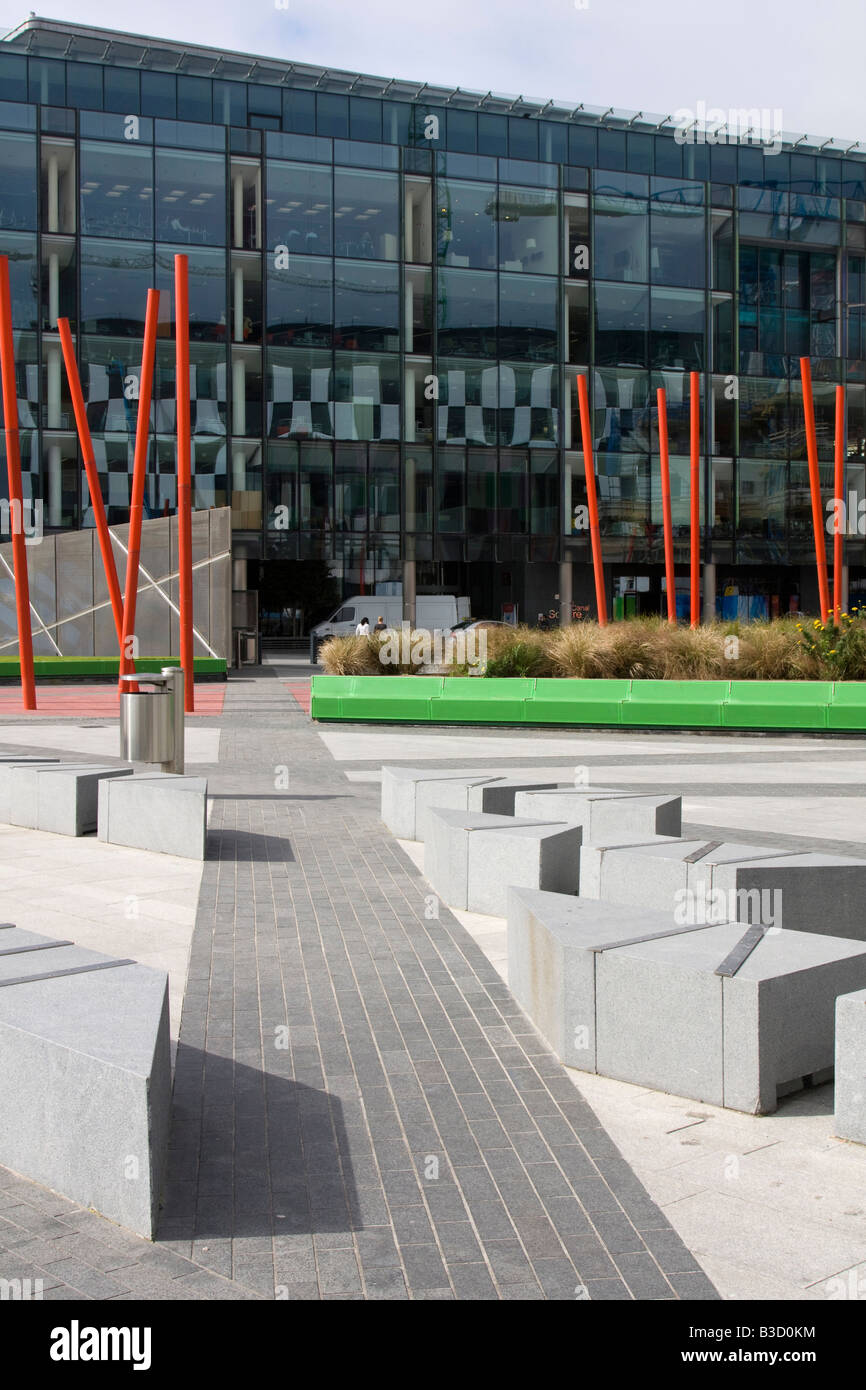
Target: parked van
x=432, y=611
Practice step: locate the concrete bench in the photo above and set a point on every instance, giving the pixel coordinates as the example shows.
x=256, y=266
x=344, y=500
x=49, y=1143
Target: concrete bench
x=729, y=1015
x=592, y=857
x=7, y=767
x=850, y=1094
x=60, y=797
x=85, y=1085
x=603, y=812
x=408, y=793
x=711, y=880
x=471, y=857
x=156, y=811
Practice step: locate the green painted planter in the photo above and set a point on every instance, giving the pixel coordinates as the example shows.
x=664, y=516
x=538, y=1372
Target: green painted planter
x=92, y=667
x=679, y=704
x=714, y=704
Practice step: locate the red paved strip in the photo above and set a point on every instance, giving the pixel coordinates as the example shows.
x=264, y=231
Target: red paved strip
x=95, y=701
x=300, y=691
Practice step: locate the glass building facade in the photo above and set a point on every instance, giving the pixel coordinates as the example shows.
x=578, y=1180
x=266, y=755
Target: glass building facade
x=392, y=289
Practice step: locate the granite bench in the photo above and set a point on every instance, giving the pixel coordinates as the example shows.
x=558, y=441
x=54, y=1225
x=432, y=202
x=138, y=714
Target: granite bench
x=7, y=767
x=60, y=797
x=85, y=1085
x=730, y=1015
x=850, y=1091
x=604, y=812
x=157, y=811
x=408, y=793
x=471, y=857
x=712, y=880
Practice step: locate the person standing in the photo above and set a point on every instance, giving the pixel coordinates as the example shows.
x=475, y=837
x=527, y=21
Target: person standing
x=363, y=628
x=381, y=625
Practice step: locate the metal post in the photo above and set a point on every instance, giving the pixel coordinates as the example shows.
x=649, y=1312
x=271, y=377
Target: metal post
x=815, y=488
x=128, y=646
x=591, y=498
x=695, y=500
x=16, y=502
x=184, y=475
x=666, y=505
x=174, y=685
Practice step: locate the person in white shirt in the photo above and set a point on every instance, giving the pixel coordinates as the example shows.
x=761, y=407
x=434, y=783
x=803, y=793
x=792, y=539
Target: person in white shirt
x=363, y=628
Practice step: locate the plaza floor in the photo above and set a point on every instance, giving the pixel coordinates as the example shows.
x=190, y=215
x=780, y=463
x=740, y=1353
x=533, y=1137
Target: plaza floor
x=362, y=1111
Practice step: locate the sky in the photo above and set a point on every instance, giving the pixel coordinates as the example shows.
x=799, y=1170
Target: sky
x=797, y=57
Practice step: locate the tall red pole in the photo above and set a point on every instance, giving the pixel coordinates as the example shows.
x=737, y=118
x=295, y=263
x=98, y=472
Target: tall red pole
x=592, y=500
x=815, y=487
x=90, y=469
x=838, y=490
x=16, y=492
x=136, y=505
x=184, y=474
x=695, y=496
x=666, y=504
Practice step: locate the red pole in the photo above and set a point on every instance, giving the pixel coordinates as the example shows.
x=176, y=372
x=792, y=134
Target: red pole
x=16, y=492
x=815, y=487
x=838, y=488
x=92, y=475
x=184, y=475
x=695, y=497
x=592, y=500
x=136, y=506
x=666, y=504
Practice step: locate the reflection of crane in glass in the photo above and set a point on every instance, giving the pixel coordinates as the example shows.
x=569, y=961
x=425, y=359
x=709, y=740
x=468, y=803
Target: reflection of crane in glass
x=444, y=236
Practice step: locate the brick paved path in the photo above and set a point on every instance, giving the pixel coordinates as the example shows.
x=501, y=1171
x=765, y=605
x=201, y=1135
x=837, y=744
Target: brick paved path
x=360, y=1109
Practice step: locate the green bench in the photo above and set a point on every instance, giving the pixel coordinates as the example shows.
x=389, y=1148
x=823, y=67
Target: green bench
x=474, y=700
x=676, y=704
x=777, y=705
x=576, y=701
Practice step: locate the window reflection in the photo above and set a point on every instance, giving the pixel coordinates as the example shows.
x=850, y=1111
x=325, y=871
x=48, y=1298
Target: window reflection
x=116, y=191
x=366, y=215
x=366, y=307
x=466, y=224
x=528, y=230
x=18, y=181
x=190, y=198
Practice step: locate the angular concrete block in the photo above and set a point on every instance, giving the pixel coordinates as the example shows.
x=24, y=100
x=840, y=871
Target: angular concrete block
x=60, y=797
x=850, y=1091
x=409, y=793
x=471, y=858
x=812, y=892
x=7, y=768
x=85, y=1086
x=156, y=811
x=604, y=812
x=592, y=858
x=553, y=945
x=666, y=1019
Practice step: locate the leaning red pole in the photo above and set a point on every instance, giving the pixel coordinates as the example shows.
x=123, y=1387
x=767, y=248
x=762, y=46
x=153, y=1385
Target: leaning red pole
x=16, y=492
x=815, y=487
x=838, y=491
x=92, y=473
x=695, y=496
x=592, y=500
x=136, y=505
x=184, y=474
x=666, y=504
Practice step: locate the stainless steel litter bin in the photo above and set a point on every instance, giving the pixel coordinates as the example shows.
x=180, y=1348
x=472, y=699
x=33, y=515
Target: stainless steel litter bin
x=152, y=721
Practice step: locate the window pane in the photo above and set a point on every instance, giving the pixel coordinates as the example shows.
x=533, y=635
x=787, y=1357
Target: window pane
x=20, y=250
x=116, y=191
x=207, y=292
x=18, y=181
x=299, y=304
x=316, y=487
x=466, y=410
x=621, y=412
x=194, y=99
x=763, y=417
x=544, y=493
x=466, y=224
x=332, y=115
x=621, y=323
x=159, y=94
x=13, y=77
x=84, y=85
x=367, y=397
x=466, y=313
x=492, y=134
x=678, y=327
x=366, y=307
x=528, y=405
x=121, y=90
x=678, y=246
x=230, y=103
x=418, y=490
x=527, y=318
x=47, y=82
x=366, y=215
x=115, y=279
x=300, y=395
x=365, y=119
x=299, y=208
x=621, y=239
x=451, y=490
x=299, y=111
x=190, y=198
x=528, y=230
x=481, y=492
x=350, y=489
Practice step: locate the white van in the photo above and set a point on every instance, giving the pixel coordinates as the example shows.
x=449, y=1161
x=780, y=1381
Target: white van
x=432, y=611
